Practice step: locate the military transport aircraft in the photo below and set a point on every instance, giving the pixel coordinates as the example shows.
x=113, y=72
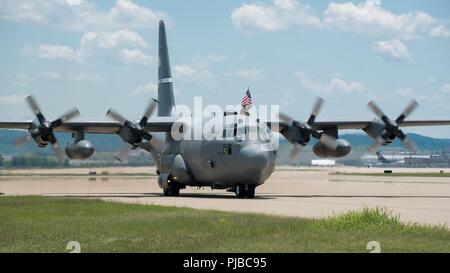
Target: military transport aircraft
x=236, y=163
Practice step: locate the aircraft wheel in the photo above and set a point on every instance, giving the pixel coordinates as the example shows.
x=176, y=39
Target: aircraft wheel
x=166, y=192
x=251, y=192
x=173, y=190
x=240, y=191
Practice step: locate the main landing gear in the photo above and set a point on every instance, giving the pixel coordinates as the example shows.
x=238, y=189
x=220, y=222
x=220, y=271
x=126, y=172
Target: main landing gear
x=172, y=190
x=245, y=191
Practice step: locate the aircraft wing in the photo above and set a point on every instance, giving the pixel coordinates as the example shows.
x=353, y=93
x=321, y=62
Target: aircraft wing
x=412, y=123
x=98, y=127
x=343, y=125
x=348, y=125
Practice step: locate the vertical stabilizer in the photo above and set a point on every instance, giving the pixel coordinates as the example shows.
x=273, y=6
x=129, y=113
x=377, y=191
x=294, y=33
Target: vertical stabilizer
x=165, y=88
x=381, y=157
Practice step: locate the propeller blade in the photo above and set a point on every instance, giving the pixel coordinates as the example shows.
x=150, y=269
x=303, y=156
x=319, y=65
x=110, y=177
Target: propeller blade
x=406, y=141
x=113, y=114
x=409, y=145
x=374, y=107
x=377, y=110
x=286, y=118
x=66, y=117
x=58, y=151
x=34, y=106
x=20, y=141
x=151, y=108
x=315, y=111
x=31, y=100
x=158, y=144
x=374, y=147
x=124, y=152
x=295, y=152
x=408, y=110
x=329, y=141
x=148, y=112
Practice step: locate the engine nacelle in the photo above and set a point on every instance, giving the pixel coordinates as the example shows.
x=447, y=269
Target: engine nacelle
x=173, y=168
x=179, y=171
x=343, y=148
x=41, y=141
x=81, y=149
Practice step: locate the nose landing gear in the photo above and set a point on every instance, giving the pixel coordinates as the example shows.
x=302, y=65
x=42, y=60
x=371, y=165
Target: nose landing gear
x=172, y=190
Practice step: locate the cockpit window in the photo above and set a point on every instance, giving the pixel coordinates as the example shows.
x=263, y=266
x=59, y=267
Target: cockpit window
x=253, y=132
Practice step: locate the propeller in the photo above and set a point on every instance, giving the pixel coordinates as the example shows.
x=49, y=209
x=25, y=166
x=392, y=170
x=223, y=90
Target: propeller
x=134, y=133
x=392, y=129
x=302, y=132
x=43, y=128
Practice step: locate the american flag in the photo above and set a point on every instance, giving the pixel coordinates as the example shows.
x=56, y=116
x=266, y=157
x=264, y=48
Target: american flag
x=247, y=100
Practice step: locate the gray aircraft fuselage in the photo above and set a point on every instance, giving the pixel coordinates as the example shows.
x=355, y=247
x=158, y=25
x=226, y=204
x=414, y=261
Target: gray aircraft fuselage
x=224, y=163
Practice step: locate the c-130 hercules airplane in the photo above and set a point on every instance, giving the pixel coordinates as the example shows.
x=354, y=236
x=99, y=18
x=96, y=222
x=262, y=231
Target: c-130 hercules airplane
x=236, y=164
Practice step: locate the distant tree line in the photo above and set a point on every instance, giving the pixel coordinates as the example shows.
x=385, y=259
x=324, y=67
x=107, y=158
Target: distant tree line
x=45, y=161
x=23, y=161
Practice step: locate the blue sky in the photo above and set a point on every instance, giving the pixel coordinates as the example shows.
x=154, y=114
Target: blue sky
x=100, y=54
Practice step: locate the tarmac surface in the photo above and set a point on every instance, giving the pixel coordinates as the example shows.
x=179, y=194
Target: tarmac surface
x=298, y=192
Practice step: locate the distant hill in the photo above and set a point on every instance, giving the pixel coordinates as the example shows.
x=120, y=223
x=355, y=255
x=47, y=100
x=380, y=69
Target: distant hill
x=112, y=143
x=422, y=142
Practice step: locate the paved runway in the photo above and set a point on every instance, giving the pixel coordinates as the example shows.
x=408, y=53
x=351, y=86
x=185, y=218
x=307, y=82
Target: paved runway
x=301, y=192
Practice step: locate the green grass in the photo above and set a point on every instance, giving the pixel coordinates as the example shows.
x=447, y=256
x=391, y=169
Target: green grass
x=47, y=224
x=436, y=174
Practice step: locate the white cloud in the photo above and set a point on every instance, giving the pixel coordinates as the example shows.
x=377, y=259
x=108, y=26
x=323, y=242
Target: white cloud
x=249, y=74
x=439, y=96
x=108, y=40
x=134, y=57
x=392, y=49
x=75, y=2
x=242, y=55
x=51, y=75
x=336, y=84
x=189, y=74
x=112, y=43
x=202, y=62
x=440, y=31
x=120, y=38
x=370, y=18
x=148, y=89
x=81, y=15
x=85, y=77
x=22, y=80
x=13, y=99
x=57, y=52
x=26, y=11
x=431, y=79
x=198, y=72
x=75, y=77
x=279, y=15
x=404, y=92
x=181, y=70
x=445, y=88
